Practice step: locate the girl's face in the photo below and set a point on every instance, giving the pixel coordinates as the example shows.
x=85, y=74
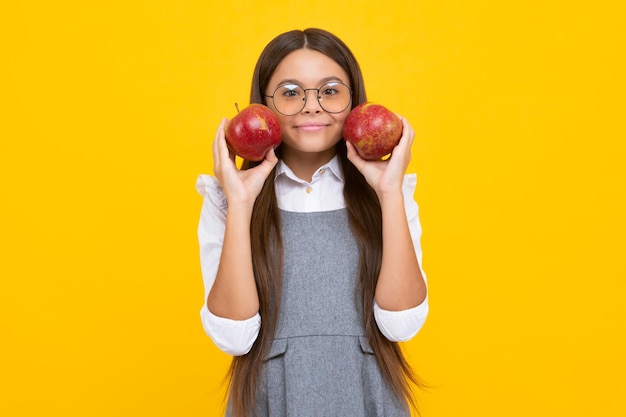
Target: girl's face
x=312, y=130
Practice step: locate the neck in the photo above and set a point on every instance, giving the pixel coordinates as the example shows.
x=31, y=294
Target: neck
x=305, y=164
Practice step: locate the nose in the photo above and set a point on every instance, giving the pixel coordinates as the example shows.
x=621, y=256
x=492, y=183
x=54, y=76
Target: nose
x=311, y=104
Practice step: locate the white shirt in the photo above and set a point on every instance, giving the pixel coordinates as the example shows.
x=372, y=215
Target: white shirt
x=323, y=193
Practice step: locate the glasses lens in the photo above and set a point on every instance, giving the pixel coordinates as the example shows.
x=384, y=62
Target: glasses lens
x=334, y=97
x=289, y=99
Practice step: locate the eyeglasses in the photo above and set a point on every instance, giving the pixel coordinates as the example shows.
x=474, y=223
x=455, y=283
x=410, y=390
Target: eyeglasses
x=290, y=99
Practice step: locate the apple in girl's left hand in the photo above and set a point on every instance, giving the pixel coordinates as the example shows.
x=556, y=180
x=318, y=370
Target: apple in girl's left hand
x=373, y=130
x=253, y=132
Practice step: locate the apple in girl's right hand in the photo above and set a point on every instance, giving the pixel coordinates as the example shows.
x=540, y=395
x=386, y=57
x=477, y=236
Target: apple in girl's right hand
x=373, y=130
x=253, y=132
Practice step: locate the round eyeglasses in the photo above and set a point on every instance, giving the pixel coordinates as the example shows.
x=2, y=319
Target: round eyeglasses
x=290, y=99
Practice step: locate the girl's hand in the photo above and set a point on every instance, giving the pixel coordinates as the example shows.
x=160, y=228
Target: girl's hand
x=240, y=186
x=386, y=176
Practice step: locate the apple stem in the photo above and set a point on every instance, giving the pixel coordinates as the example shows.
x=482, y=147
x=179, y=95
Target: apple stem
x=237, y=107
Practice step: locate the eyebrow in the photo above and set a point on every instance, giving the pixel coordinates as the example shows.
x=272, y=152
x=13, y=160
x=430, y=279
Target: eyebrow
x=322, y=81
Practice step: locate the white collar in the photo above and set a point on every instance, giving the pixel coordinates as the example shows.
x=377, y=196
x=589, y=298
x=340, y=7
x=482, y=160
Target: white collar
x=332, y=165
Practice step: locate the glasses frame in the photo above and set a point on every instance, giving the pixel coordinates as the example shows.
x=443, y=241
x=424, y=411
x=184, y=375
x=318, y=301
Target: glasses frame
x=305, y=97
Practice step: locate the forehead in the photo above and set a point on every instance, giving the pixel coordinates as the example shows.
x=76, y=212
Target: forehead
x=308, y=68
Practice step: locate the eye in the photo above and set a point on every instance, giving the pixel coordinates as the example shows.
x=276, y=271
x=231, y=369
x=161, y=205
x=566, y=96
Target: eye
x=290, y=91
x=330, y=89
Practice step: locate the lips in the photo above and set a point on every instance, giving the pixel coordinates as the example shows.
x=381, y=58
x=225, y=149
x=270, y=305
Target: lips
x=311, y=127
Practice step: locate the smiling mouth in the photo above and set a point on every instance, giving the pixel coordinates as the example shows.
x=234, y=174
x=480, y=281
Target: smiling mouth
x=312, y=127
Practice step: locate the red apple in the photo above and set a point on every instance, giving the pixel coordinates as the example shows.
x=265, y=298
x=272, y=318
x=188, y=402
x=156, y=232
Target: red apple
x=373, y=130
x=253, y=131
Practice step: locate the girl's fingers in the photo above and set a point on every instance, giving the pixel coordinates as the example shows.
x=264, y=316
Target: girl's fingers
x=406, y=140
x=221, y=152
x=354, y=157
x=268, y=163
x=407, y=130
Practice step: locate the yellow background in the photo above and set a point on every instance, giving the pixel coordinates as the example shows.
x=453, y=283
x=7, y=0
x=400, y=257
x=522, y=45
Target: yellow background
x=108, y=110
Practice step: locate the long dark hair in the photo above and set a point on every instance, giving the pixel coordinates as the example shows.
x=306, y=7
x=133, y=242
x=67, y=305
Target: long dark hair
x=365, y=219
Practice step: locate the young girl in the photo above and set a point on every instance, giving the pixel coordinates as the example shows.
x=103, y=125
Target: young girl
x=311, y=258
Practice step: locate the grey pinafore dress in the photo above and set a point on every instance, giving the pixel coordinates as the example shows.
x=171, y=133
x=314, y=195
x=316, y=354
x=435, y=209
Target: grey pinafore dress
x=320, y=363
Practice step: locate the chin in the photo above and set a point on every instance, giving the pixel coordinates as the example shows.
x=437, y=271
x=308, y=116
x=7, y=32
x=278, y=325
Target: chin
x=311, y=143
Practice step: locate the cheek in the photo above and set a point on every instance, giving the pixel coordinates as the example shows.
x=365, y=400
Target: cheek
x=341, y=117
x=283, y=121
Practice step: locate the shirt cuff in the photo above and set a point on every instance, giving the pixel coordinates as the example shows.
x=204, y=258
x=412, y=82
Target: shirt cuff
x=209, y=187
x=234, y=337
x=400, y=326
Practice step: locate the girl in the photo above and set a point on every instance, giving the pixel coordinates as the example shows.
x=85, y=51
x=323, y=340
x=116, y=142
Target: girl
x=311, y=258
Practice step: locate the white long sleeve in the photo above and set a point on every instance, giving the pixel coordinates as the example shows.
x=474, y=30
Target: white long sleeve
x=236, y=337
